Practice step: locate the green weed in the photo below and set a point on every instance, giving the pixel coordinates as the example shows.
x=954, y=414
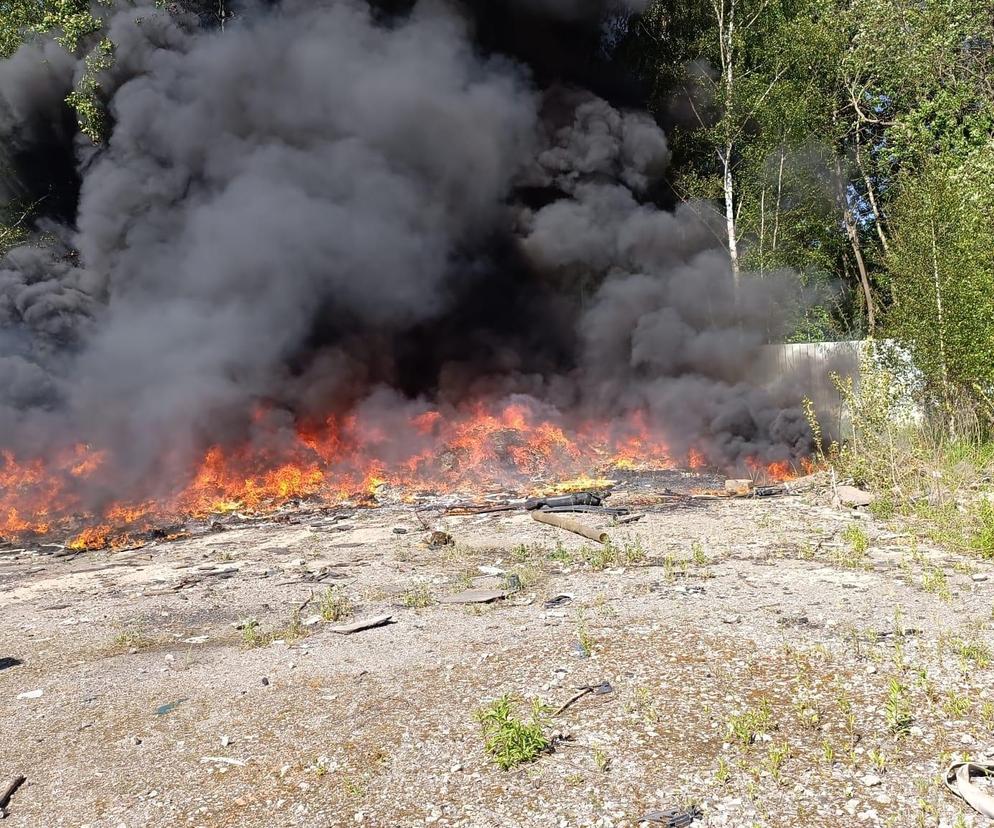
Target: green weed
x=745, y=726
x=335, y=605
x=508, y=739
x=418, y=597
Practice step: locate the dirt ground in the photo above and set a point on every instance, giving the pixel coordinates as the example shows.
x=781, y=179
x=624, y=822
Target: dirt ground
x=761, y=665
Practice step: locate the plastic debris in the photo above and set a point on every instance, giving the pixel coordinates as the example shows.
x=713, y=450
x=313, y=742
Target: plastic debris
x=169, y=707
x=31, y=694
x=673, y=817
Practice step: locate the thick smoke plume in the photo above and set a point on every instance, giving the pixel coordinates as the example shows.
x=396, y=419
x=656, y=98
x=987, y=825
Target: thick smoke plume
x=323, y=207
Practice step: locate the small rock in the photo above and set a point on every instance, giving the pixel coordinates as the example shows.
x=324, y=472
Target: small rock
x=731, y=619
x=225, y=741
x=31, y=694
x=399, y=530
x=265, y=682
x=916, y=731
x=312, y=620
x=978, y=578
x=870, y=780
x=871, y=669
x=851, y=496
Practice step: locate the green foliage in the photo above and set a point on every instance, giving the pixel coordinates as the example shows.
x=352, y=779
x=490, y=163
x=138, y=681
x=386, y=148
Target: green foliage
x=983, y=534
x=71, y=21
x=942, y=272
x=86, y=98
x=897, y=708
x=854, y=557
x=508, y=739
x=745, y=726
x=335, y=605
x=418, y=597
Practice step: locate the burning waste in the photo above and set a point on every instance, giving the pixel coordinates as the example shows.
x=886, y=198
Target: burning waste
x=331, y=248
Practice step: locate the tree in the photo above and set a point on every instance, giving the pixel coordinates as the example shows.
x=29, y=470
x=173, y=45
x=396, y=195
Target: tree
x=72, y=20
x=942, y=266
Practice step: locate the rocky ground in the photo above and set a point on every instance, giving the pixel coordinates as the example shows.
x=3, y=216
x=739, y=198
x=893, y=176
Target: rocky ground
x=762, y=664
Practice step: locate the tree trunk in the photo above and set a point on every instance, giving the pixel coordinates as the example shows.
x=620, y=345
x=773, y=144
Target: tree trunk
x=864, y=278
x=776, y=214
x=733, y=250
x=941, y=332
x=851, y=231
x=878, y=219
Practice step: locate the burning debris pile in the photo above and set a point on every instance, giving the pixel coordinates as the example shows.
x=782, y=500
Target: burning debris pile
x=331, y=247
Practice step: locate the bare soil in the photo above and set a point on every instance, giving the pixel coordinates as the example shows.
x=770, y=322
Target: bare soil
x=750, y=649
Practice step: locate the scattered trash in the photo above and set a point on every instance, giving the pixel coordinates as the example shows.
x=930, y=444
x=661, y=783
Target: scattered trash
x=196, y=639
x=399, y=530
x=560, y=501
x=673, y=817
x=570, y=526
x=225, y=741
x=598, y=510
x=265, y=682
x=8, y=792
x=558, y=600
x=853, y=497
x=473, y=596
x=957, y=779
x=597, y=689
x=978, y=578
x=6, y=662
x=223, y=760
x=437, y=539
x=769, y=491
x=31, y=694
x=623, y=519
x=738, y=486
x=359, y=626
x=490, y=570
x=169, y=707
x=311, y=620
x=691, y=589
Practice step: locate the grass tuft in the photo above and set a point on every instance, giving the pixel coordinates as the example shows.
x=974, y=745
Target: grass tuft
x=335, y=605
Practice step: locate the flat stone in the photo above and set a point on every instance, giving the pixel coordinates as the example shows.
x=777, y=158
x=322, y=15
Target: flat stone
x=870, y=780
x=473, y=596
x=362, y=624
x=851, y=496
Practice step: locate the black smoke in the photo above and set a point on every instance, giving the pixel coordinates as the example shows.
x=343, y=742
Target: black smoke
x=329, y=205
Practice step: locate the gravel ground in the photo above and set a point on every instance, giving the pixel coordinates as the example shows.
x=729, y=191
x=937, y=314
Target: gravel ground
x=761, y=665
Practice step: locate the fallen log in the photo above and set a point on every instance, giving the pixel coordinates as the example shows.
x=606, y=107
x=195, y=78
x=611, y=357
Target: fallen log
x=570, y=525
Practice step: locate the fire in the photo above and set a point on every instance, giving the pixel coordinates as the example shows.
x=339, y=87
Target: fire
x=343, y=458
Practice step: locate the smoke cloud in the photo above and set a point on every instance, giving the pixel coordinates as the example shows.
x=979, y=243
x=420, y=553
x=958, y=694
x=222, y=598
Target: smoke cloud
x=319, y=209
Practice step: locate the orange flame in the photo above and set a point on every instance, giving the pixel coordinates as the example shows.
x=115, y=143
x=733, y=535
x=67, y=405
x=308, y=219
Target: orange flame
x=340, y=459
